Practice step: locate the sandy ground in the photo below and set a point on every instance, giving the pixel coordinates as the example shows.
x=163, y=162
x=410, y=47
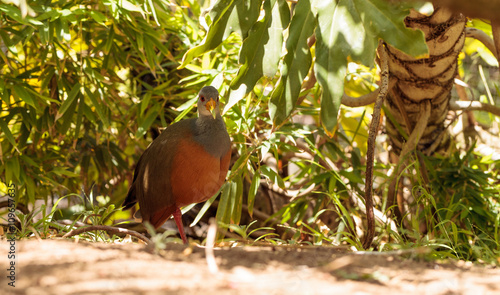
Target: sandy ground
x=66, y=267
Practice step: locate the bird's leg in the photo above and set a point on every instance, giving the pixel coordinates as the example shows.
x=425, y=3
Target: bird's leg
x=178, y=220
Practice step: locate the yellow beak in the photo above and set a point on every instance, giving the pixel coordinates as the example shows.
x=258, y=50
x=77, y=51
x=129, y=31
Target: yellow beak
x=210, y=105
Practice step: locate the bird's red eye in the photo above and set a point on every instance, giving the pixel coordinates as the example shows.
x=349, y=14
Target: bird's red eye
x=202, y=98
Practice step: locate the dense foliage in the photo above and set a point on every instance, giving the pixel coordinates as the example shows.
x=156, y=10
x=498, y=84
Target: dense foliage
x=84, y=83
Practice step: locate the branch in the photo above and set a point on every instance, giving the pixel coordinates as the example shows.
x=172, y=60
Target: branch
x=108, y=229
x=474, y=106
x=364, y=99
x=483, y=38
x=370, y=154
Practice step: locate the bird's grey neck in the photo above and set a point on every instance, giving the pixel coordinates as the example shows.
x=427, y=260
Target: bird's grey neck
x=212, y=134
x=207, y=123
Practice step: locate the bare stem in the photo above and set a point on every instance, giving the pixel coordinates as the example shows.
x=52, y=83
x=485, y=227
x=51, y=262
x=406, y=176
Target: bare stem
x=370, y=154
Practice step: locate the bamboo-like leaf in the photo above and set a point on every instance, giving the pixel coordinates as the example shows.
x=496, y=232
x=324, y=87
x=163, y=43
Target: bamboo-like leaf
x=30, y=188
x=237, y=200
x=7, y=133
x=295, y=65
x=69, y=101
x=149, y=118
x=109, y=40
x=25, y=95
x=204, y=209
x=252, y=192
x=272, y=176
x=98, y=107
x=222, y=214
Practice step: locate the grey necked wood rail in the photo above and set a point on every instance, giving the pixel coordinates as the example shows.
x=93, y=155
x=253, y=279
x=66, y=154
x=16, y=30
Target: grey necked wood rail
x=187, y=163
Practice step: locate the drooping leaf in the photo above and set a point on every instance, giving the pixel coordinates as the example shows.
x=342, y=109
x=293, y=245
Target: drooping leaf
x=69, y=101
x=295, y=65
x=242, y=17
x=331, y=59
x=272, y=176
x=98, y=107
x=228, y=16
x=25, y=95
x=385, y=20
x=7, y=133
x=261, y=51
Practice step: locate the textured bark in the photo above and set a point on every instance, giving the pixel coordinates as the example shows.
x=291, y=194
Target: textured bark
x=427, y=79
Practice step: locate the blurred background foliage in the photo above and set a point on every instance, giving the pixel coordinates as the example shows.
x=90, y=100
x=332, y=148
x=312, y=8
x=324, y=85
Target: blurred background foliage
x=86, y=85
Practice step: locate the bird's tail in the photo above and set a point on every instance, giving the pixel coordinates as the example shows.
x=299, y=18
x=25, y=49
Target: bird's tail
x=131, y=199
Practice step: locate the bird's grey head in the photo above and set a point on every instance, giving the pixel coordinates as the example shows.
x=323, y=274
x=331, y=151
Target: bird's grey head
x=208, y=102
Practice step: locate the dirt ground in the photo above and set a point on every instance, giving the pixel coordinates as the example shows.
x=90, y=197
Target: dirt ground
x=67, y=267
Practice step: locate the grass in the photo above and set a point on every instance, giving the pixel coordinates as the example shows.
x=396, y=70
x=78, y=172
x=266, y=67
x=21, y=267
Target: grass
x=460, y=209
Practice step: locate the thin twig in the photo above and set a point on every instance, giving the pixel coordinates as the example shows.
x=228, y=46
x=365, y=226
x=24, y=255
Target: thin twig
x=108, y=229
x=474, y=106
x=370, y=154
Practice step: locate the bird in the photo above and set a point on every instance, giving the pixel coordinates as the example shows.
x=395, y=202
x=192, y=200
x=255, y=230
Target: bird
x=187, y=163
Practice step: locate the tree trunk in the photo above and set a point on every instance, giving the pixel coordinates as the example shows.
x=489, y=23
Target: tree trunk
x=422, y=80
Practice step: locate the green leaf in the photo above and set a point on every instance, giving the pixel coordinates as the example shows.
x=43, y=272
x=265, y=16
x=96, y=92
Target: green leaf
x=25, y=95
x=237, y=200
x=98, y=17
x=295, y=65
x=14, y=165
x=98, y=107
x=204, y=209
x=331, y=59
x=223, y=211
x=67, y=118
x=62, y=171
x=7, y=133
x=215, y=35
x=30, y=188
x=151, y=57
x=148, y=120
x=352, y=28
x=252, y=192
x=272, y=176
x=242, y=17
x=109, y=40
x=385, y=20
x=261, y=51
x=228, y=16
x=69, y=101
